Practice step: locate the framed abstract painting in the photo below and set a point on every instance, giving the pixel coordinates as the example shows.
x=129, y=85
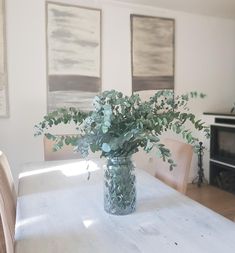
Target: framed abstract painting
x=152, y=51
x=73, y=56
x=4, y=102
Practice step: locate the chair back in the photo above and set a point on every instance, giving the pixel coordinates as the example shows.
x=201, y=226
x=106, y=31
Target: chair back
x=66, y=152
x=7, y=203
x=182, y=155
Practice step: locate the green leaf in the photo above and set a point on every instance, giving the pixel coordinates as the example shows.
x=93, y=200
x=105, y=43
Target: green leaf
x=105, y=129
x=106, y=148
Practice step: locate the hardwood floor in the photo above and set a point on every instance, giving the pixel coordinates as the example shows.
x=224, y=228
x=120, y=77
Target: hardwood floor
x=218, y=200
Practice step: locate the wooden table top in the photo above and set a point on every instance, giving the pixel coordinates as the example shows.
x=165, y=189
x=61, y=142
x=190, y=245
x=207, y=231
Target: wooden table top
x=60, y=211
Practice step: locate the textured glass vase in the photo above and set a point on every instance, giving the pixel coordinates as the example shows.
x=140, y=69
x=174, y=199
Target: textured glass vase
x=119, y=186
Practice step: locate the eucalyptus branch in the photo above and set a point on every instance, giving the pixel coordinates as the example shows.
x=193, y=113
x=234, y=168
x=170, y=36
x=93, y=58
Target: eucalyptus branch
x=119, y=125
x=62, y=115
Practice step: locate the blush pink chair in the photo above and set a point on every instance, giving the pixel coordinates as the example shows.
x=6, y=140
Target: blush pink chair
x=66, y=152
x=182, y=156
x=7, y=203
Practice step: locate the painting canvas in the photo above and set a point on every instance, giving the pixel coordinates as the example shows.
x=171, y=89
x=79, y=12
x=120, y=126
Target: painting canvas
x=152, y=53
x=3, y=68
x=73, y=56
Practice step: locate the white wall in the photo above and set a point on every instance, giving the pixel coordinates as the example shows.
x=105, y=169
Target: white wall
x=205, y=61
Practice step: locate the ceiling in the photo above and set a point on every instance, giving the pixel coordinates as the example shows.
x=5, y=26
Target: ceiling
x=218, y=8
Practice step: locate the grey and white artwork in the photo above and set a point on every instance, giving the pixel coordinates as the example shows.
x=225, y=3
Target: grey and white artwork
x=3, y=68
x=74, y=56
x=152, y=53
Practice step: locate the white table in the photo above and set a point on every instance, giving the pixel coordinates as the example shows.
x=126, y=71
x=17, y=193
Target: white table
x=60, y=211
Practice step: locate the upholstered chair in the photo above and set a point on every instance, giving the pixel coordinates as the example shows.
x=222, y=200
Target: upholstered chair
x=182, y=156
x=7, y=203
x=66, y=152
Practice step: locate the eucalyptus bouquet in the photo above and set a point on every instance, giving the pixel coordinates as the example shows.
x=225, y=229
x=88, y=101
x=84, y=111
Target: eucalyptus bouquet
x=120, y=125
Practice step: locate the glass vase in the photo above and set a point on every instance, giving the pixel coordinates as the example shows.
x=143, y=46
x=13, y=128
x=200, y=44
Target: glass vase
x=119, y=186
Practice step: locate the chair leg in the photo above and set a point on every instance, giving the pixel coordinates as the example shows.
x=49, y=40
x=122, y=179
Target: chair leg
x=2, y=239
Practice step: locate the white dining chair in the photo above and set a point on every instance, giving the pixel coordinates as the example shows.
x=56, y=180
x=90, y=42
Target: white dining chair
x=182, y=155
x=7, y=203
x=66, y=152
